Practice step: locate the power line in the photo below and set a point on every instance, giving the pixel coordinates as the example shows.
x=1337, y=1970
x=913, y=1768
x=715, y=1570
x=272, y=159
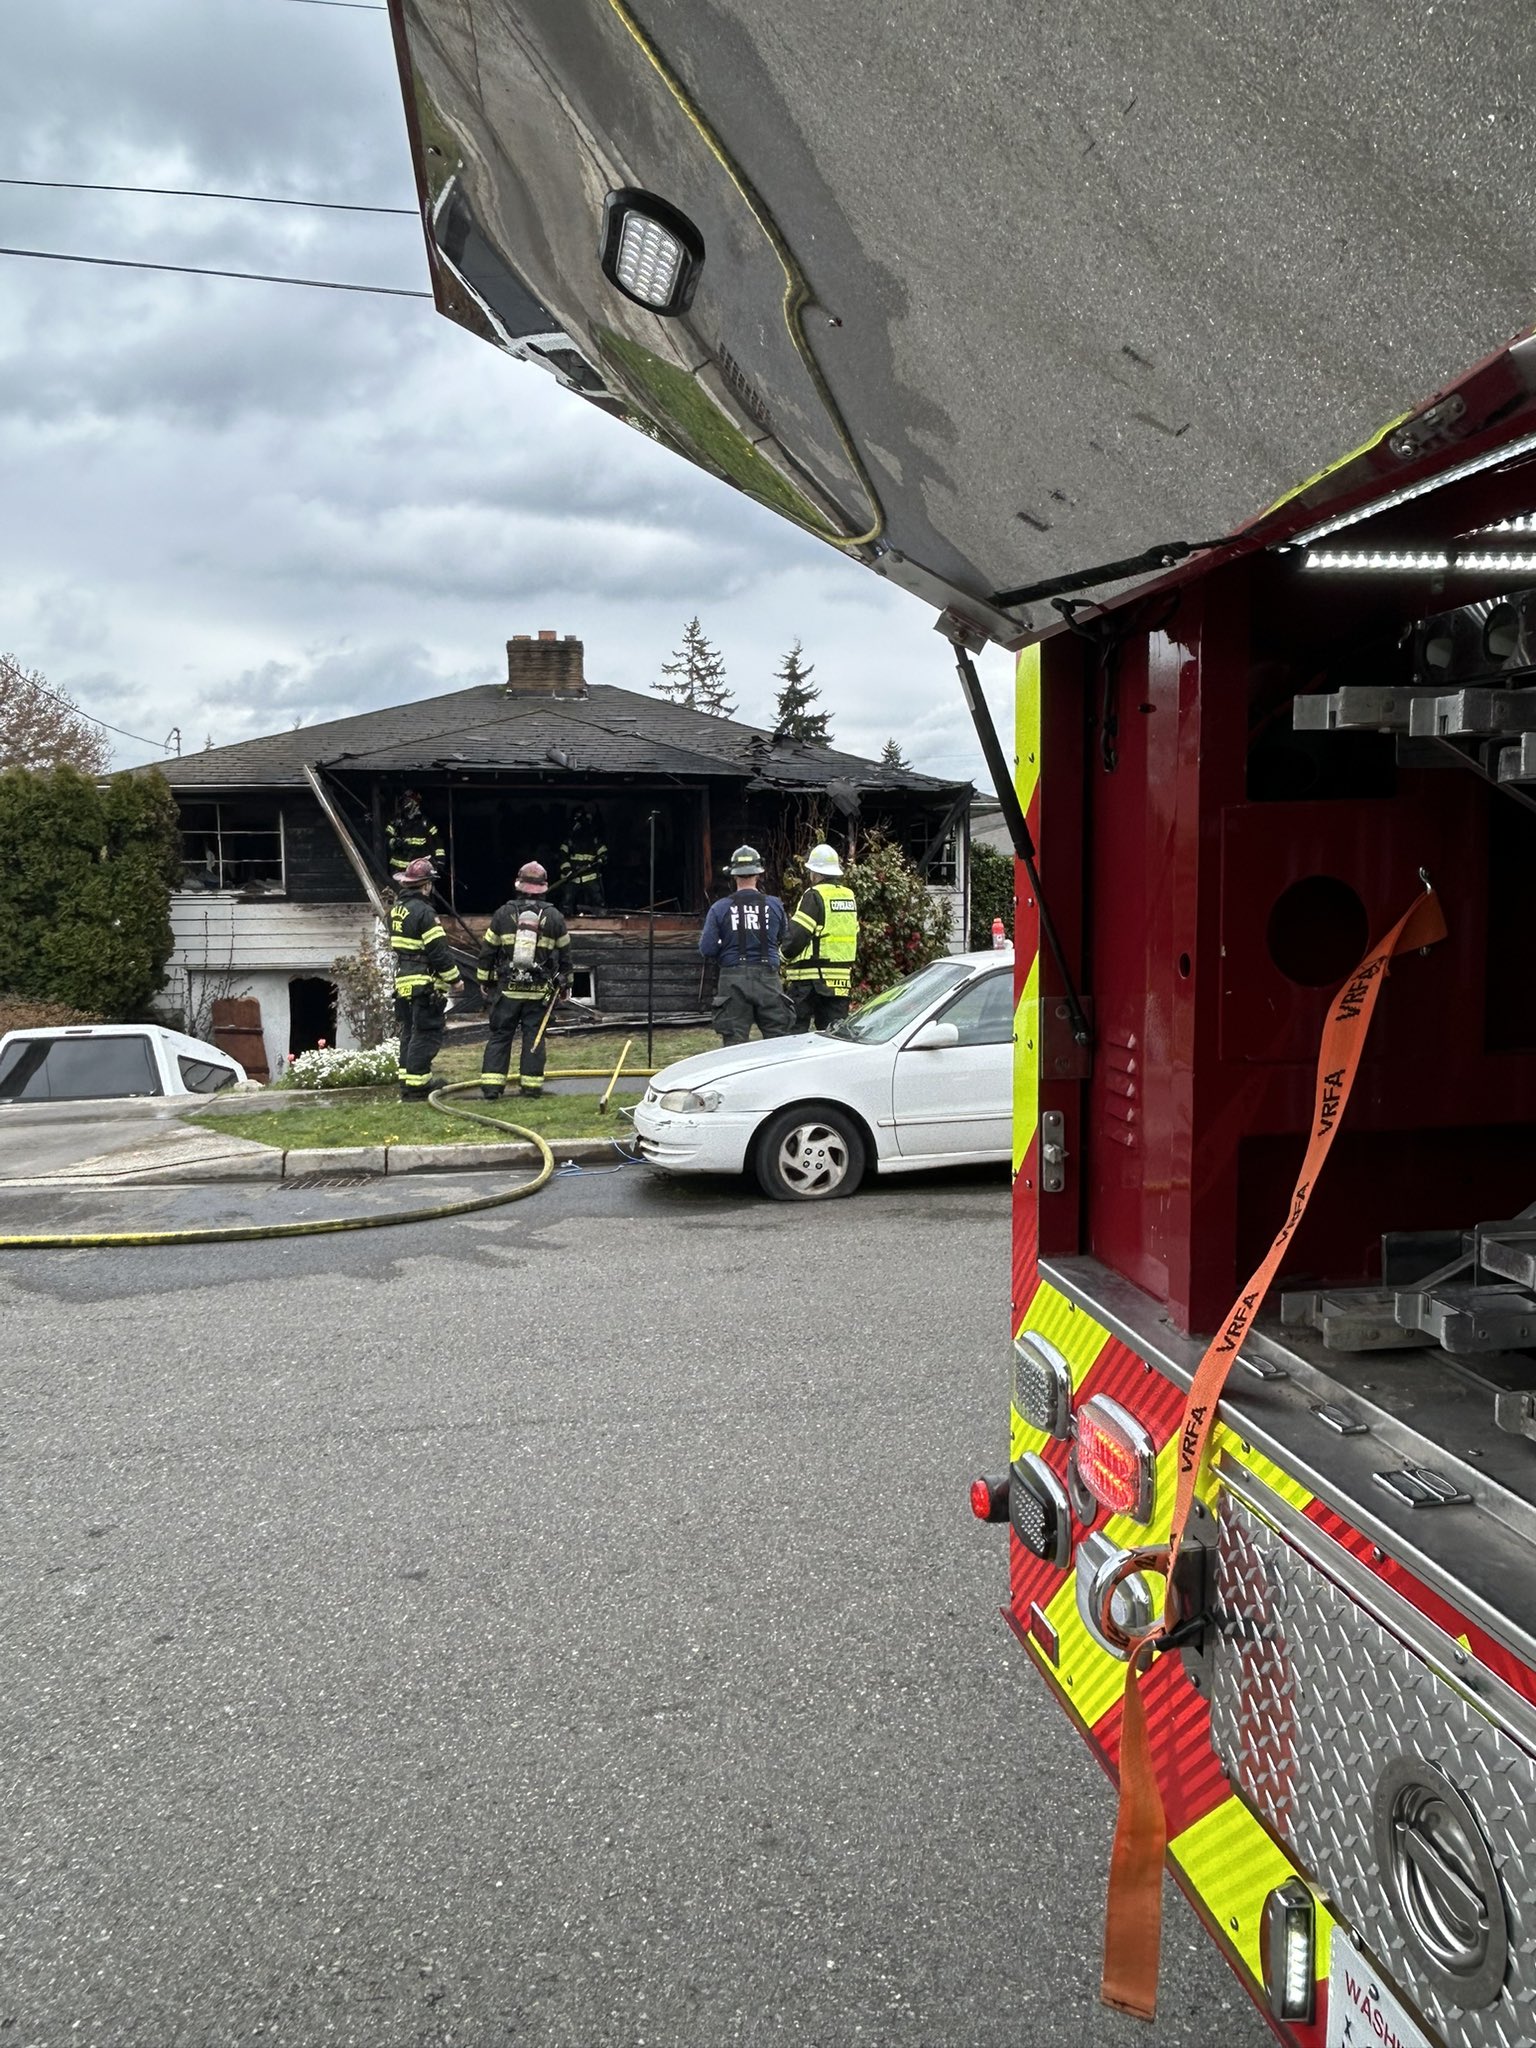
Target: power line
x=182, y=192
x=18, y=675
x=318, y=284
x=357, y=6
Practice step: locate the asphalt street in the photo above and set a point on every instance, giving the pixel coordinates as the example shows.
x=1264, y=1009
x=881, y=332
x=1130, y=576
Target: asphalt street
x=560, y=1626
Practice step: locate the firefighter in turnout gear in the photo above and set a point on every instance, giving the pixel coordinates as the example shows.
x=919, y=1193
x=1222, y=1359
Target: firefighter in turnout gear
x=425, y=970
x=579, y=885
x=743, y=932
x=410, y=837
x=525, y=967
x=822, y=943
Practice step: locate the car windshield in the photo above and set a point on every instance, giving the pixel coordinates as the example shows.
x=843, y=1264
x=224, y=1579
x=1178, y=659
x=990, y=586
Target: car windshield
x=878, y=1021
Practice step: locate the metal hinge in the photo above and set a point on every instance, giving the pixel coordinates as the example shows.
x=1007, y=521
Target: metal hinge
x=1422, y=1489
x=1063, y=1056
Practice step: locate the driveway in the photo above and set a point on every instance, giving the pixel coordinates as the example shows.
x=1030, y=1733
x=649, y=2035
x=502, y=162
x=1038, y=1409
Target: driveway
x=140, y=1134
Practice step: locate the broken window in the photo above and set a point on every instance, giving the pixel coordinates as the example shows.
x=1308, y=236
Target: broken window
x=943, y=870
x=232, y=845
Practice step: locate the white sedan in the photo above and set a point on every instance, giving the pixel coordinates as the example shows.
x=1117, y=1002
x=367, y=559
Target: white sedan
x=919, y=1076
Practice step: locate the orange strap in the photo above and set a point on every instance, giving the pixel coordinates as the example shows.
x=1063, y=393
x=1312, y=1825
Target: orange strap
x=1133, y=1916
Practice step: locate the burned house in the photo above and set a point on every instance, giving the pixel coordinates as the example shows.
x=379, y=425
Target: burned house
x=285, y=848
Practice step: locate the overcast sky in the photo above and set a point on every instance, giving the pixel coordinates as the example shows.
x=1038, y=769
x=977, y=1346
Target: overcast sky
x=233, y=506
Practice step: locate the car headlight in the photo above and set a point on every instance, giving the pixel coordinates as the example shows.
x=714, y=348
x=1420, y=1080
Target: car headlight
x=688, y=1101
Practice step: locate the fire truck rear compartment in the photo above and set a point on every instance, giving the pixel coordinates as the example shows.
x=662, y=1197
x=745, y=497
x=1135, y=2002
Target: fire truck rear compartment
x=1235, y=760
x=1260, y=775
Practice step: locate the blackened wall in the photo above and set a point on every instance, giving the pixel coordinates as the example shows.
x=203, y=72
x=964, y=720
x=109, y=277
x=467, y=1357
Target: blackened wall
x=317, y=869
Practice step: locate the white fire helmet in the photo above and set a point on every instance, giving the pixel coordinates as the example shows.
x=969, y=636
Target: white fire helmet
x=823, y=860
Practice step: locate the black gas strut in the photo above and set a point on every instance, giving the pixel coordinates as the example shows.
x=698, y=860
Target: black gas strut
x=1018, y=831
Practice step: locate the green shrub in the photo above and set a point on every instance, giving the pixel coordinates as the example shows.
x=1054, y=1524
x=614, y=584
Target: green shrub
x=991, y=893
x=85, y=910
x=901, y=927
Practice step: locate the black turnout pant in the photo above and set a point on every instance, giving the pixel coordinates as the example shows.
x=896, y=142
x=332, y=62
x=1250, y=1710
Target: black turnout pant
x=421, y=1020
x=816, y=1006
x=515, y=1017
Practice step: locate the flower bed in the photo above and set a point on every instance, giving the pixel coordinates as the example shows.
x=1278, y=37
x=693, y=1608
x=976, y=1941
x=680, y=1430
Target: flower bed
x=329, y=1067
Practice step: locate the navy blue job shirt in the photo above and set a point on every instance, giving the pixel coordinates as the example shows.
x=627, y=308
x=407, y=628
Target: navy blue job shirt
x=744, y=929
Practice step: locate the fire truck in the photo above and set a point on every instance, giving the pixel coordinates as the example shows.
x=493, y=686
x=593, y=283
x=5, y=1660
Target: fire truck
x=1185, y=354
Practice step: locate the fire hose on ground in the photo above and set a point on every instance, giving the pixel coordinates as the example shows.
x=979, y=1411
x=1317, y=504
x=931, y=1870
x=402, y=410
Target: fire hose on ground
x=431, y=1213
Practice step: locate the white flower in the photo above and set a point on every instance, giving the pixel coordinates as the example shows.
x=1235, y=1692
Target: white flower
x=329, y=1068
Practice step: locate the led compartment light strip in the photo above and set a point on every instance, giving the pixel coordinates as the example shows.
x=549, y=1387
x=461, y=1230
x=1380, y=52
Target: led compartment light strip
x=1490, y=460
x=1368, y=558
x=1383, y=558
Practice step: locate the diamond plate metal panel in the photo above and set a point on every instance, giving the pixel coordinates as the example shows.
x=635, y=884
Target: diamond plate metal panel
x=1312, y=1701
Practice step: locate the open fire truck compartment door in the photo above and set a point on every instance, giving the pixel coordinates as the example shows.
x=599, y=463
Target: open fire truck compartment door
x=996, y=297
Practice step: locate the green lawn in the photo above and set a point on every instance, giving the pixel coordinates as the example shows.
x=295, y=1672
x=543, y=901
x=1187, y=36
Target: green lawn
x=599, y=1052
x=377, y=1116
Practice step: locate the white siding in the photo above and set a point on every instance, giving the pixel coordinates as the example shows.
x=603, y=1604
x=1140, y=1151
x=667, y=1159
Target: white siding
x=219, y=934
x=953, y=901
x=231, y=946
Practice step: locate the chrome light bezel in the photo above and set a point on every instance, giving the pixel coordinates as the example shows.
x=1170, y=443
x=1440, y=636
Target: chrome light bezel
x=630, y=205
x=1044, y=1399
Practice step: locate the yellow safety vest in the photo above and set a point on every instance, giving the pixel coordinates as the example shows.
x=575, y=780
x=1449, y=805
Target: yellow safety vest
x=831, y=916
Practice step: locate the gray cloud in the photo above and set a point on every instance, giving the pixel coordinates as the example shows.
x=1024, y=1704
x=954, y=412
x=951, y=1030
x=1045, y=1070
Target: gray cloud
x=232, y=504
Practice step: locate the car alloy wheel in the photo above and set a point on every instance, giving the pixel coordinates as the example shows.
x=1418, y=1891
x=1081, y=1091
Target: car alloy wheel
x=810, y=1156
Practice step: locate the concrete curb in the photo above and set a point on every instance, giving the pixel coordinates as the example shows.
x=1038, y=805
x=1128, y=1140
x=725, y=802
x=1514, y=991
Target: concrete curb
x=312, y=1159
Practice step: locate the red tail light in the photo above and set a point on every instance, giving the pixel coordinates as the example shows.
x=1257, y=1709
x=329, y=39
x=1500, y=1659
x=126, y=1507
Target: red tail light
x=989, y=1499
x=1116, y=1458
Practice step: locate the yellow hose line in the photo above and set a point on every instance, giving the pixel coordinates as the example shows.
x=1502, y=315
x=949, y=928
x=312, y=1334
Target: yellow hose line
x=797, y=292
x=232, y=1233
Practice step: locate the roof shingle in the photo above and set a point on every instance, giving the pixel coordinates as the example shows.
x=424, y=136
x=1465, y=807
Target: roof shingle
x=607, y=732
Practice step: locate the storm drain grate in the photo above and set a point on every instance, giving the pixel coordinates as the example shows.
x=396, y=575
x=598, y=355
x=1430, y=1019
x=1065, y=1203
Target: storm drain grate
x=302, y=1182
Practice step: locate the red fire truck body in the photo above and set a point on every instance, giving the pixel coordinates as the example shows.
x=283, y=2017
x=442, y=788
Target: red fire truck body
x=1340, y=1745
x=996, y=306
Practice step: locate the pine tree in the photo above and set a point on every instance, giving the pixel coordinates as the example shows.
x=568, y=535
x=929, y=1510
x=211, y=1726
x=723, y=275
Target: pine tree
x=891, y=755
x=793, y=717
x=695, y=675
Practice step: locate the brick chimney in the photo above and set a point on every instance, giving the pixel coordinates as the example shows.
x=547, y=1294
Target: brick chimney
x=545, y=667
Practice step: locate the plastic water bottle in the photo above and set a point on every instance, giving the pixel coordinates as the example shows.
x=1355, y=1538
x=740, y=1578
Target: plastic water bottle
x=999, y=936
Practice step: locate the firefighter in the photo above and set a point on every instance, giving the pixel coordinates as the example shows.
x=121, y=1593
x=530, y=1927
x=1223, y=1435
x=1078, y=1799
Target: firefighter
x=579, y=885
x=525, y=968
x=425, y=971
x=821, y=944
x=410, y=837
x=743, y=932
